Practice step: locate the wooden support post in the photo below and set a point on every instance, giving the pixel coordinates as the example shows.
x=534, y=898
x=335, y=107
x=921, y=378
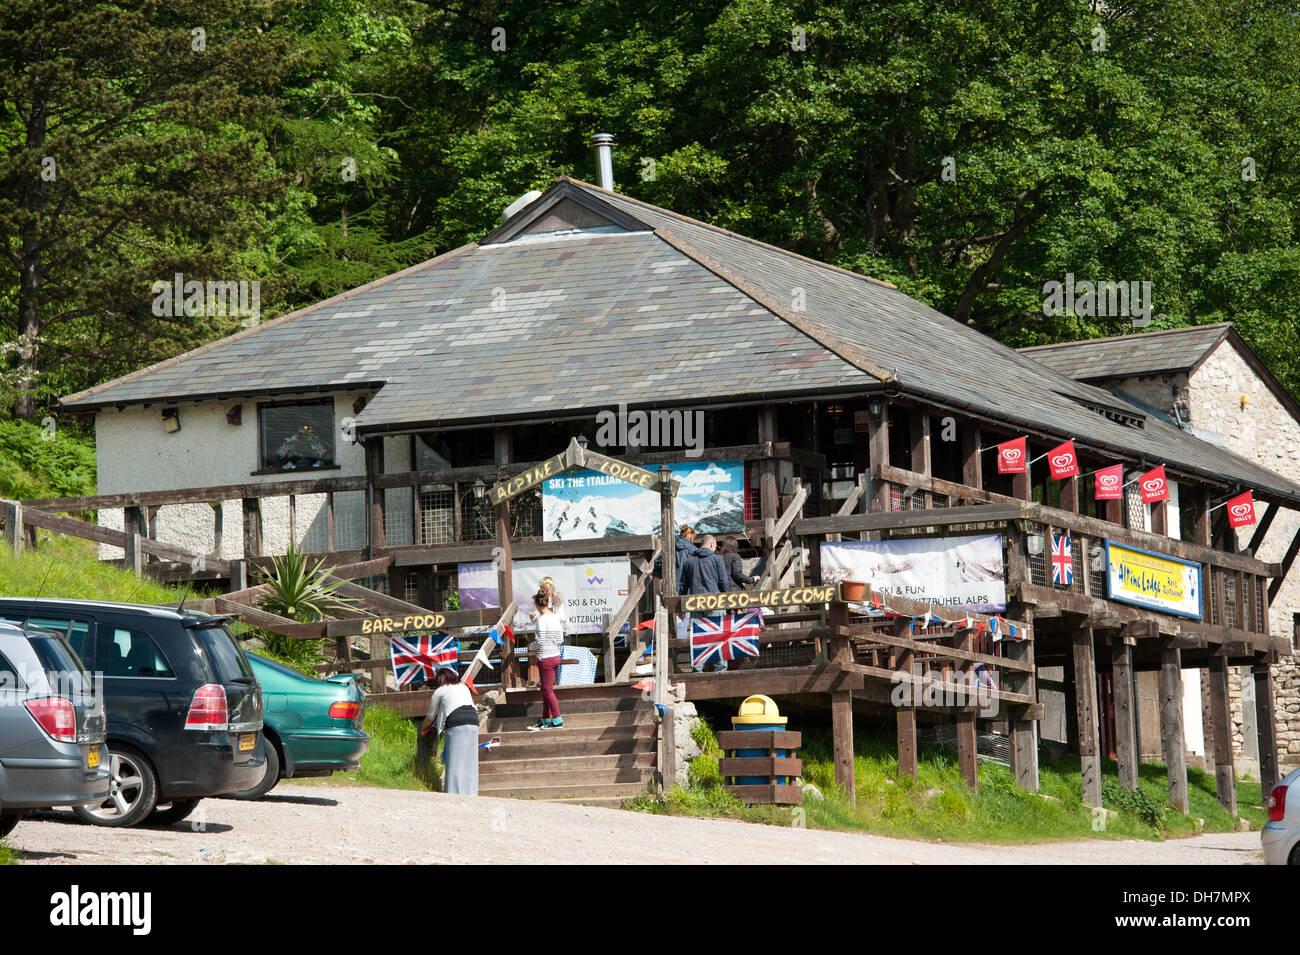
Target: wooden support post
x=1225, y=783
x=668, y=748
x=1171, y=727
x=134, y=560
x=14, y=526
x=842, y=733
x=1257, y=538
x=1127, y=749
x=1287, y=561
x=920, y=422
x=252, y=510
x=1070, y=495
x=374, y=468
x=1266, y=726
x=1207, y=721
x=906, y=715
x=768, y=505
x=967, y=740
x=668, y=561
x=1024, y=732
x=329, y=520
x=878, y=447
x=972, y=467
x=1159, y=518
x=238, y=575
x=503, y=449
x=1085, y=696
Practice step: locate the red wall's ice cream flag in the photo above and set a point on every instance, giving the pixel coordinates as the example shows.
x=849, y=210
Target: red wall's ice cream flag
x=1154, y=486
x=1110, y=483
x=1241, y=510
x=1063, y=461
x=1011, y=456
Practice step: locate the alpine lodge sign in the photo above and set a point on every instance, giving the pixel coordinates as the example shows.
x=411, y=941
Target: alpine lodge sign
x=569, y=459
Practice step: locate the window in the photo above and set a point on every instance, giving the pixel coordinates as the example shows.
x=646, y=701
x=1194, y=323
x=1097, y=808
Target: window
x=296, y=437
x=121, y=651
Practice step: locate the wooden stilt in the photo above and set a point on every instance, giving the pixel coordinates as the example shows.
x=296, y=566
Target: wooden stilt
x=1225, y=783
x=967, y=760
x=1127, y=750
x=1266, y=726
x=842, y=732
x=906, y=741
x=1085, y=695
x=1171, y=727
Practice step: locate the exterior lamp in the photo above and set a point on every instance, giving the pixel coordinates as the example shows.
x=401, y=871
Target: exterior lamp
x=1034, y=544
x=171, y=419
x=582, y=441
x=479, y=489
x=876, y=407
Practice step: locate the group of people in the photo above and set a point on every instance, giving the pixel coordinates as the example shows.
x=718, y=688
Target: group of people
x=701, y=569
x=453, y=716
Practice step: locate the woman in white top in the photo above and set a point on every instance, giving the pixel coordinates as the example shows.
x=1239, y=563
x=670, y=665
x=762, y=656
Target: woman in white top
x=452, y=712
x=550, y=637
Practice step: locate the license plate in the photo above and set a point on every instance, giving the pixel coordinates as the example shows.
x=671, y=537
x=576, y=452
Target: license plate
x=247, y=741
x=92, y=758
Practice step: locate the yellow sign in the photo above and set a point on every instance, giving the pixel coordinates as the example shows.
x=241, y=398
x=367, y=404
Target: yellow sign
x=1153, y=581
x=748, y=599
x=419, y=621
x=528, y=478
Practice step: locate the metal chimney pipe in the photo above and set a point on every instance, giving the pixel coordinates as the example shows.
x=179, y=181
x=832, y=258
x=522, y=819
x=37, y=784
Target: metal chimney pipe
x=604, y=143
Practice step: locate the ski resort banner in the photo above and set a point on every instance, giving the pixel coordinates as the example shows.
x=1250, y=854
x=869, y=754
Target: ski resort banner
x=586, y=504
x=590, y=588
x=965, y=573
x=1153, y=581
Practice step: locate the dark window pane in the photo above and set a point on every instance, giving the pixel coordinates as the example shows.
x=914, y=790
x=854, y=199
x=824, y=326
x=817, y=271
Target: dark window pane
x=227, y=658
x=297, y=437
x=61, y=665
x=124, y=652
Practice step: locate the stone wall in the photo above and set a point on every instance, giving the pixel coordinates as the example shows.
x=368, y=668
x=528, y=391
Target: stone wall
x=1262, y=429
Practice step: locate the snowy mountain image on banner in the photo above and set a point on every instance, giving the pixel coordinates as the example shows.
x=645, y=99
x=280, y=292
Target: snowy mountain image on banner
x=585, y=504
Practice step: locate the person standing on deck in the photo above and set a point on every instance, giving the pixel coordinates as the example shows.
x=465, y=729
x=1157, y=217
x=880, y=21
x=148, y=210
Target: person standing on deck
x=452, y=712
x=706, y=573
x=735, y=567
x=550, y=637
x=556, y=601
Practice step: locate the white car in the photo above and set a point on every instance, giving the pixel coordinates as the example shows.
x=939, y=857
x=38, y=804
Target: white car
x=1281, y=834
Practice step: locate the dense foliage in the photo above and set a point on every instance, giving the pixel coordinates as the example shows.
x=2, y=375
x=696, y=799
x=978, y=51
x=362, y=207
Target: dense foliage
x=970, y=152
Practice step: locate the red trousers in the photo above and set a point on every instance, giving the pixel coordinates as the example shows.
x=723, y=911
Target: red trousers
x=550, y=705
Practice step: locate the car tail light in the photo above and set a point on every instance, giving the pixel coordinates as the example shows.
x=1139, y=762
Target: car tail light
x=56, y=716
x=1276, y=804
x=208, y=708
x=347, y=710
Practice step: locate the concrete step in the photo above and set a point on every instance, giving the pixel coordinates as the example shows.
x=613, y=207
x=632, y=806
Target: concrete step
x=604, y=802
x=555, y=747
x=568, y=792
x=577, y=781
x=579, y=720
x=565, y=764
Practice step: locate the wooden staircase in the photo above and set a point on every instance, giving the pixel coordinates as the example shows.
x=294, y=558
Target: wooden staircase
x=603, y=754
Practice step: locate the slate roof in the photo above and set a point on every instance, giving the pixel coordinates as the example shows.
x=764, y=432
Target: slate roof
x=1127, y=356
x=667, y=311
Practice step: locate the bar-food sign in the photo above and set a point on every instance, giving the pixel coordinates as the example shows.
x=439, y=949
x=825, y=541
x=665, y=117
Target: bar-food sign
x=1153, y=581
x=749, y=599
x=419, y=621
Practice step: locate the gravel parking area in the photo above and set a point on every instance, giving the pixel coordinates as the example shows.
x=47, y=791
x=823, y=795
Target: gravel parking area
x=333, y=825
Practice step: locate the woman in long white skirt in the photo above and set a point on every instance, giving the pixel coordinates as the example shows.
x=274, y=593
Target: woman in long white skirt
x=453, y=714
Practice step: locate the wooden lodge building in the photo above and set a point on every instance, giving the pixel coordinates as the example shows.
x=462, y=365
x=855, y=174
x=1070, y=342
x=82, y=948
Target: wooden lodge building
x=858, y=411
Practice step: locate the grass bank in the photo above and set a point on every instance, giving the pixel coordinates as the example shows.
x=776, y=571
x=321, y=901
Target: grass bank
x=939, y=806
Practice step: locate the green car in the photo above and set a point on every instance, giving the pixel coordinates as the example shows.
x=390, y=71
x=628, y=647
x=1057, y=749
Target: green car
x=309, y=727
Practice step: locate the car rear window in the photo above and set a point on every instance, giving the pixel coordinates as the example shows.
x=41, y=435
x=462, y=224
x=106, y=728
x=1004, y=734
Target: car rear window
x=61, y=664
x=225, y=653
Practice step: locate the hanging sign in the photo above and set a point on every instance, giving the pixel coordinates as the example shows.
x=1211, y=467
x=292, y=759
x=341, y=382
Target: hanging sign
x=1241, y=510
x=1153, y=485
x=1063, y=462
x=1153, y=581
x=965, y=573
x=1110, y=483
x=1011, y=456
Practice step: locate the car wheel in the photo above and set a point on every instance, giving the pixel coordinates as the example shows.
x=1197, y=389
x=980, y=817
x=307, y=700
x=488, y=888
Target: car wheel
x=132, y=792
x=178, y=810
x=1294, y=858
x=270, y=774
x=7, y=824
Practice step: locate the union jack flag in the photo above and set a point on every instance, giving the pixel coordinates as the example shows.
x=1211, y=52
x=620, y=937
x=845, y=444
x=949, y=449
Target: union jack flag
x=417, y=657
x=1062, y=560
x=725, y=636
